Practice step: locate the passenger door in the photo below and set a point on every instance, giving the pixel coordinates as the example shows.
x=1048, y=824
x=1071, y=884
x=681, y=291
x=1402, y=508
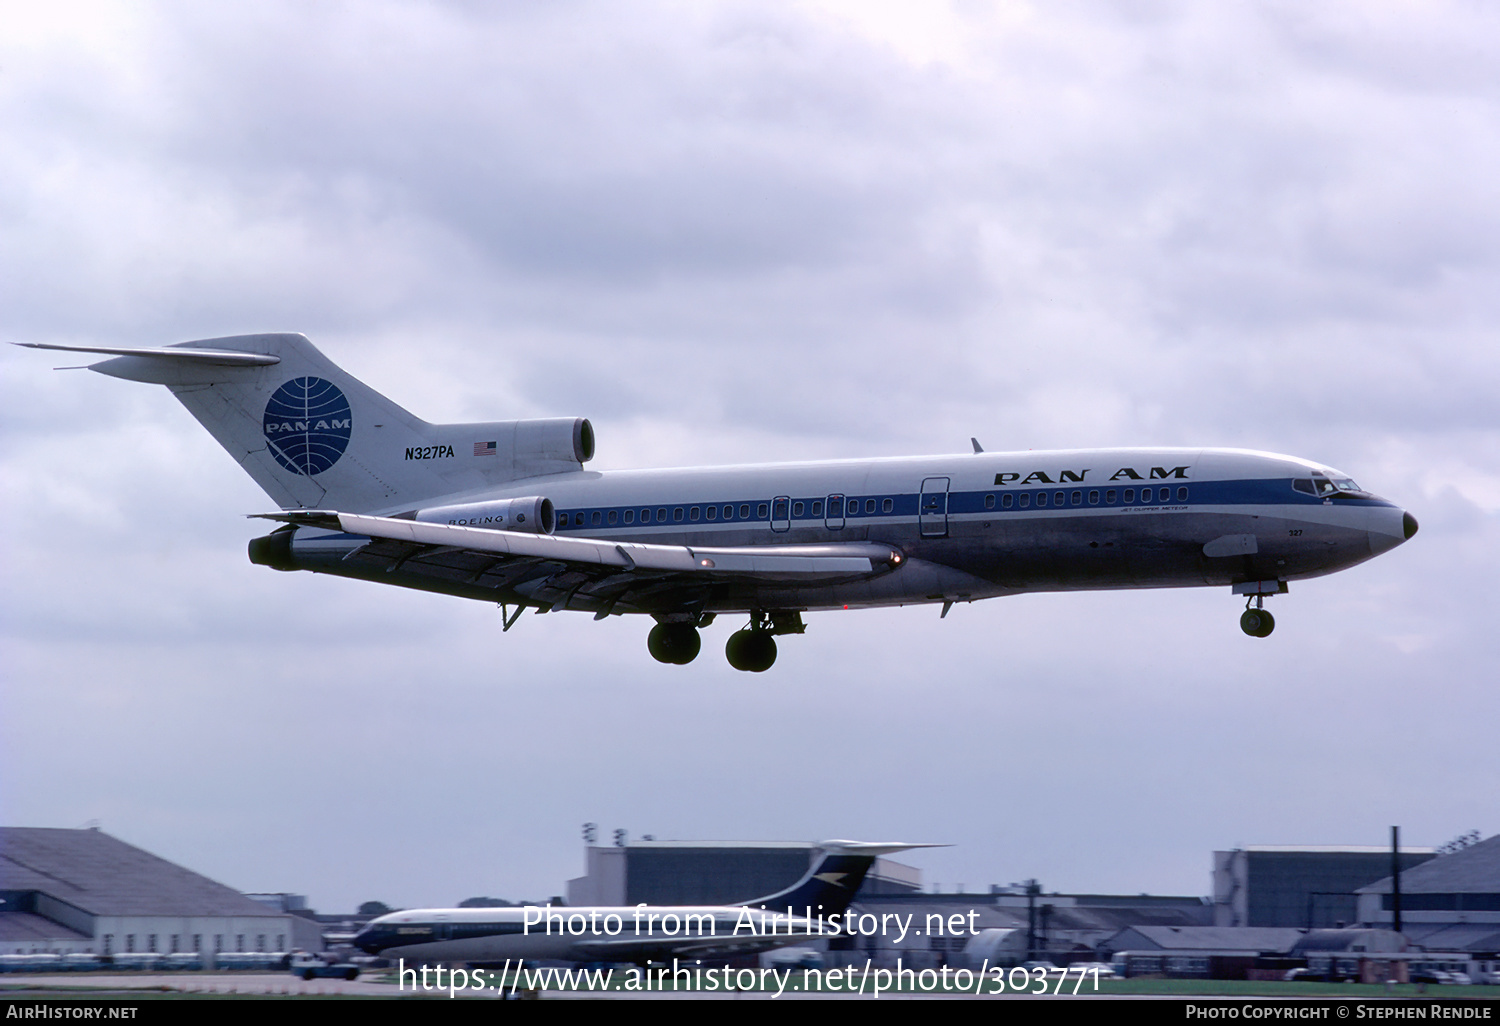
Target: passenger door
x=932, y=508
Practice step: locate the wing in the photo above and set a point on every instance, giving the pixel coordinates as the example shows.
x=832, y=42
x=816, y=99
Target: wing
x=595, y=574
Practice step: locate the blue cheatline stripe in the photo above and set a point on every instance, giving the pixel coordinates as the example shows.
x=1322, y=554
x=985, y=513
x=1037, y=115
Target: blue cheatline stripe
x=904, y=506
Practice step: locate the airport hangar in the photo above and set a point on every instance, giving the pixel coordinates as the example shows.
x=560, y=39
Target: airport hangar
x=725, y=872
x=1270, y=902
x=83, y=891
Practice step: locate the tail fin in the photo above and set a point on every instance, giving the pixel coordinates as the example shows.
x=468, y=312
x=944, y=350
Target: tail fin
x=314, y=436
x=833, y=880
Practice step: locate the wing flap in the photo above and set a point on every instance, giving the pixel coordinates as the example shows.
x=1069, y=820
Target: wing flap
x=781, y=561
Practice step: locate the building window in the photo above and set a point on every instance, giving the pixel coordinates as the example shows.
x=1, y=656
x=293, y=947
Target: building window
x=151, y=943
x=260, y=942
x=130, y=942
x=109, y=944
x=198, y=942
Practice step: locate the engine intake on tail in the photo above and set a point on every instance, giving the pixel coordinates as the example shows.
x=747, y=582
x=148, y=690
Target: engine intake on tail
x=554, y=439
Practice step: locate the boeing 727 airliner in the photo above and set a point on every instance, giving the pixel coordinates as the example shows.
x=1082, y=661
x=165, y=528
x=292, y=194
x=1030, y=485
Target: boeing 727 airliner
x=815, y=906
x=506, y=512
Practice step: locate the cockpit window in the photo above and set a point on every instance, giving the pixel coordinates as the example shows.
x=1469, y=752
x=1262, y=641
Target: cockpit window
x=1321, y=485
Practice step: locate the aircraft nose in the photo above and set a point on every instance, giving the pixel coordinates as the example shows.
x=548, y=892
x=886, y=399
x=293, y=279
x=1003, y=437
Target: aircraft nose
x=1386, y=533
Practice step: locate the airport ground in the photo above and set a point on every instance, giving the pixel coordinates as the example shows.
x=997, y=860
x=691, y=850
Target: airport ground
x=203, y=985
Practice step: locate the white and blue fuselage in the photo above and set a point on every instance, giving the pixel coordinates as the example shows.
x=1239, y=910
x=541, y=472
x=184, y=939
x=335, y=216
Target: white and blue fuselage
x=506, y=511
x=969, y=526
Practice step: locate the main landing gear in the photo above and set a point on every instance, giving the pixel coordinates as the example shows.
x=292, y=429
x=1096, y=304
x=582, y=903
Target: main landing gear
x=674, y=643
x=1257, y=622
x=752, y=649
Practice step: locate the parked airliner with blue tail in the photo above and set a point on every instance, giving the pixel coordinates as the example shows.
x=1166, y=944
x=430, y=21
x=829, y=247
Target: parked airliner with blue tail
x=506, y=512
x=815, y=906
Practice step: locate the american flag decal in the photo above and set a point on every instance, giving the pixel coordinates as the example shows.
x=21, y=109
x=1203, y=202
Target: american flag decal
x=484, y=448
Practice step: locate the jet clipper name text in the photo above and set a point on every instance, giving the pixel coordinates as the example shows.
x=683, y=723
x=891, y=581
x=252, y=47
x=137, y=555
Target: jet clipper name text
x=747, y=922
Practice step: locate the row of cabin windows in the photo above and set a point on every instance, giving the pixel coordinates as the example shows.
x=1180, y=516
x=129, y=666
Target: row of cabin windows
x=1023, y=500
x=836, y=508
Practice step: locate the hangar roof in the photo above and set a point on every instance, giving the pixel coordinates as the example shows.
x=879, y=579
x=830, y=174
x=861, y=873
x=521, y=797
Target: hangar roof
x=105, y=876
x=1471, y=870
x=27, y=928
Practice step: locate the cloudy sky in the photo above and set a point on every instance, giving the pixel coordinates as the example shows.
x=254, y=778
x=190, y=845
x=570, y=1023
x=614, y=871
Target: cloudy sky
x=732, y=232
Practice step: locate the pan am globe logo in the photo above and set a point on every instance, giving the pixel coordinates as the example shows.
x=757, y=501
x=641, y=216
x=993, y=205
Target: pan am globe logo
x=307, y=422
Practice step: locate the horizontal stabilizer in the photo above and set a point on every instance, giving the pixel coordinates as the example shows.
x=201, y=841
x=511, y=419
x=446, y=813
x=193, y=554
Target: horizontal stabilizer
x=874, y=847
x=213, y=357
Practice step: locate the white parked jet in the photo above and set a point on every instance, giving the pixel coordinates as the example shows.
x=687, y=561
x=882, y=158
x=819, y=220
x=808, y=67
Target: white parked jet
x=815, y=906
x=506, y=512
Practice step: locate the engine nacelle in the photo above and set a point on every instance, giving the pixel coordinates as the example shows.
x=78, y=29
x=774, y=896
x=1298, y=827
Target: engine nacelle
x=532, y=514
x=555, y=439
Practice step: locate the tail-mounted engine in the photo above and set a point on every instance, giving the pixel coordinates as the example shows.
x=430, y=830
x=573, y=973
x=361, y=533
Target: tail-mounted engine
x=532, y=514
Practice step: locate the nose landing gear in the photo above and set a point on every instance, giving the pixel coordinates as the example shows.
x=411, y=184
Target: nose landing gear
x=1257, y=622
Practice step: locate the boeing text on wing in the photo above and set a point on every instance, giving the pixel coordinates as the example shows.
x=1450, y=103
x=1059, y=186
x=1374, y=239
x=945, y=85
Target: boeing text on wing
x=815, y=906
x=505, y=511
